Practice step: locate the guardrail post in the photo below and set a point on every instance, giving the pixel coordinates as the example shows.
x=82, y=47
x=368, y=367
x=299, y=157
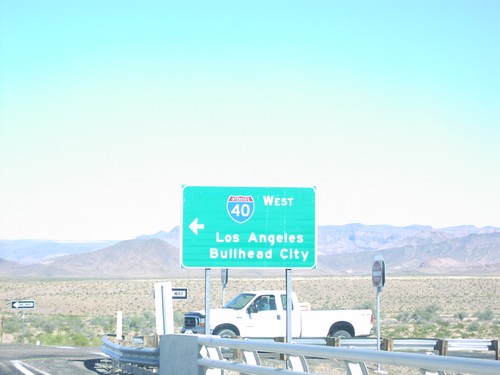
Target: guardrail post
x=151, y=341
x=387, y=345
x=333, y=341
x=494, y=347
x=179, y=354
x=442, y=347
x=237, y=353
x=281, y=339
x=129, y=338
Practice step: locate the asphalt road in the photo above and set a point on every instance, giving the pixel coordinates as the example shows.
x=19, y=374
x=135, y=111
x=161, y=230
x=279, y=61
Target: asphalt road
x=52, y=360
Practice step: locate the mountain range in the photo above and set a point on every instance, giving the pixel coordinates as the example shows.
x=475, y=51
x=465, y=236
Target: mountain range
x=341, y=250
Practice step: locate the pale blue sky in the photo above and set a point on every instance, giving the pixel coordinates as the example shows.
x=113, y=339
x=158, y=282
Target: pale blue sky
x=390, y=108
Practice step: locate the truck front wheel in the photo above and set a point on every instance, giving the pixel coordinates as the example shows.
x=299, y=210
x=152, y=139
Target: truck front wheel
x=226, y=333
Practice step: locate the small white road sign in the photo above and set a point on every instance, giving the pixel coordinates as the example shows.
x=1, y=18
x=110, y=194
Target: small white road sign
x=23, y=304
x=179, y=293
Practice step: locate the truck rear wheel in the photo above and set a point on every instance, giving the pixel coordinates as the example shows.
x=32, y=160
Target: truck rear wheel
x=341, y=334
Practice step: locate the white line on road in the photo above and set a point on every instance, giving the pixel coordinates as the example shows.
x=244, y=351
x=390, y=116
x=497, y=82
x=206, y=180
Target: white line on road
x=21, y=366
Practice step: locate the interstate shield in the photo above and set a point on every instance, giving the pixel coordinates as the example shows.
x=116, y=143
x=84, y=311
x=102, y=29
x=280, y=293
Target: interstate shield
x=240, y=208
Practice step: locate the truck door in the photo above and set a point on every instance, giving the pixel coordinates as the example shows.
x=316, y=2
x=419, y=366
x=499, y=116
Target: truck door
x=265, y=319
x=296, y=317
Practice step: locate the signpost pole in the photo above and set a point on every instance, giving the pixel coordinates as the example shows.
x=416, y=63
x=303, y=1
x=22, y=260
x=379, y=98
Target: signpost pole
x=207, y=301
x=378, y=282
x=379, y=289
x=224, y=274
x=22, y=319
x=288, y=277
x=378, y=317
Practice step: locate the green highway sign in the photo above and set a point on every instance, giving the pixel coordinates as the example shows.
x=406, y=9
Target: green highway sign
x=248, y=227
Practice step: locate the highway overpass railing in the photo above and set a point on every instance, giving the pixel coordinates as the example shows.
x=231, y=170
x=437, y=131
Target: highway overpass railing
x=181, y=354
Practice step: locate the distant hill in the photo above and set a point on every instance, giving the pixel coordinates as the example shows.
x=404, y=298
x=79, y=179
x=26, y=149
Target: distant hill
x=472, y=254
x=36, y=251
x=342, y=250
x=359, y=237
x=132, y=258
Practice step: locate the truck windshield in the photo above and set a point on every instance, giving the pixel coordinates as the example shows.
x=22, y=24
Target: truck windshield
x=240, y=301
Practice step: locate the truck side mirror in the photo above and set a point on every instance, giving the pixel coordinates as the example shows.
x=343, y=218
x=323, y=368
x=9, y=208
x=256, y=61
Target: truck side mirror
x=251, y=309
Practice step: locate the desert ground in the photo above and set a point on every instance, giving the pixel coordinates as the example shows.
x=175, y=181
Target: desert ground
x=450, y=295
x=454, y=304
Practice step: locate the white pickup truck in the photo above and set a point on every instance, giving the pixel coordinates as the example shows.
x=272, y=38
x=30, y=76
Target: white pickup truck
x=262, y=314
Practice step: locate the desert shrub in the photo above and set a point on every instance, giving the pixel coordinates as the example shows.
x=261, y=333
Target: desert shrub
x=442, y=329
x=59, y=323
x=366, y=305
x=487, y=315
x=495, y=330
x=404, y=316
x=426, y=314
x=79, y=340
x=460, y=315
x=53, y=339
x=424, y=329
x=12, y=324
x=104, y=324
x=48, y=324
x=140, y=324
x=397, y=331
x=473, y=326
x=51, y=323
x=74, y=325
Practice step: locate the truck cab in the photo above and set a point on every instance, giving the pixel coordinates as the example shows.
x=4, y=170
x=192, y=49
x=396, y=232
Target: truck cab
x=249, y=314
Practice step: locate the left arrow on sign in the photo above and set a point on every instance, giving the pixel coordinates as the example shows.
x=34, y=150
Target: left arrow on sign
x=23, y=304
x=194, y=226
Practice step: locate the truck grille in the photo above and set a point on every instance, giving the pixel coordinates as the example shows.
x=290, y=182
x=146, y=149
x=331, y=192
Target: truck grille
x=190, y=321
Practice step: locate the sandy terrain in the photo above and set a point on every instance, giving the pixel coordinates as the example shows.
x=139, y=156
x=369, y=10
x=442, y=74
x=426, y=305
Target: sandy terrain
x=401, y=294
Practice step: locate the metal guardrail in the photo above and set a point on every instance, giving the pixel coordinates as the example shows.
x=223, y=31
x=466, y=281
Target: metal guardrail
x=403, y=344
x=409, y=360
x=145, y=361
x=472, y=345
x=371, y=343
x=133, y=360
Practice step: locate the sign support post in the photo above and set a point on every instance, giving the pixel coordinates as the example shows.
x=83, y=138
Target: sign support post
x=22, y=319
x=224, y=275
x=378, y=317
x=207, y=301
x=378, y=281
x=288, y=278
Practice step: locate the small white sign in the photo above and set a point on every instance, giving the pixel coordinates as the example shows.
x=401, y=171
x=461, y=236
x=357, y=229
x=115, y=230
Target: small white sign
x=23, y=304
x=179, y=293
